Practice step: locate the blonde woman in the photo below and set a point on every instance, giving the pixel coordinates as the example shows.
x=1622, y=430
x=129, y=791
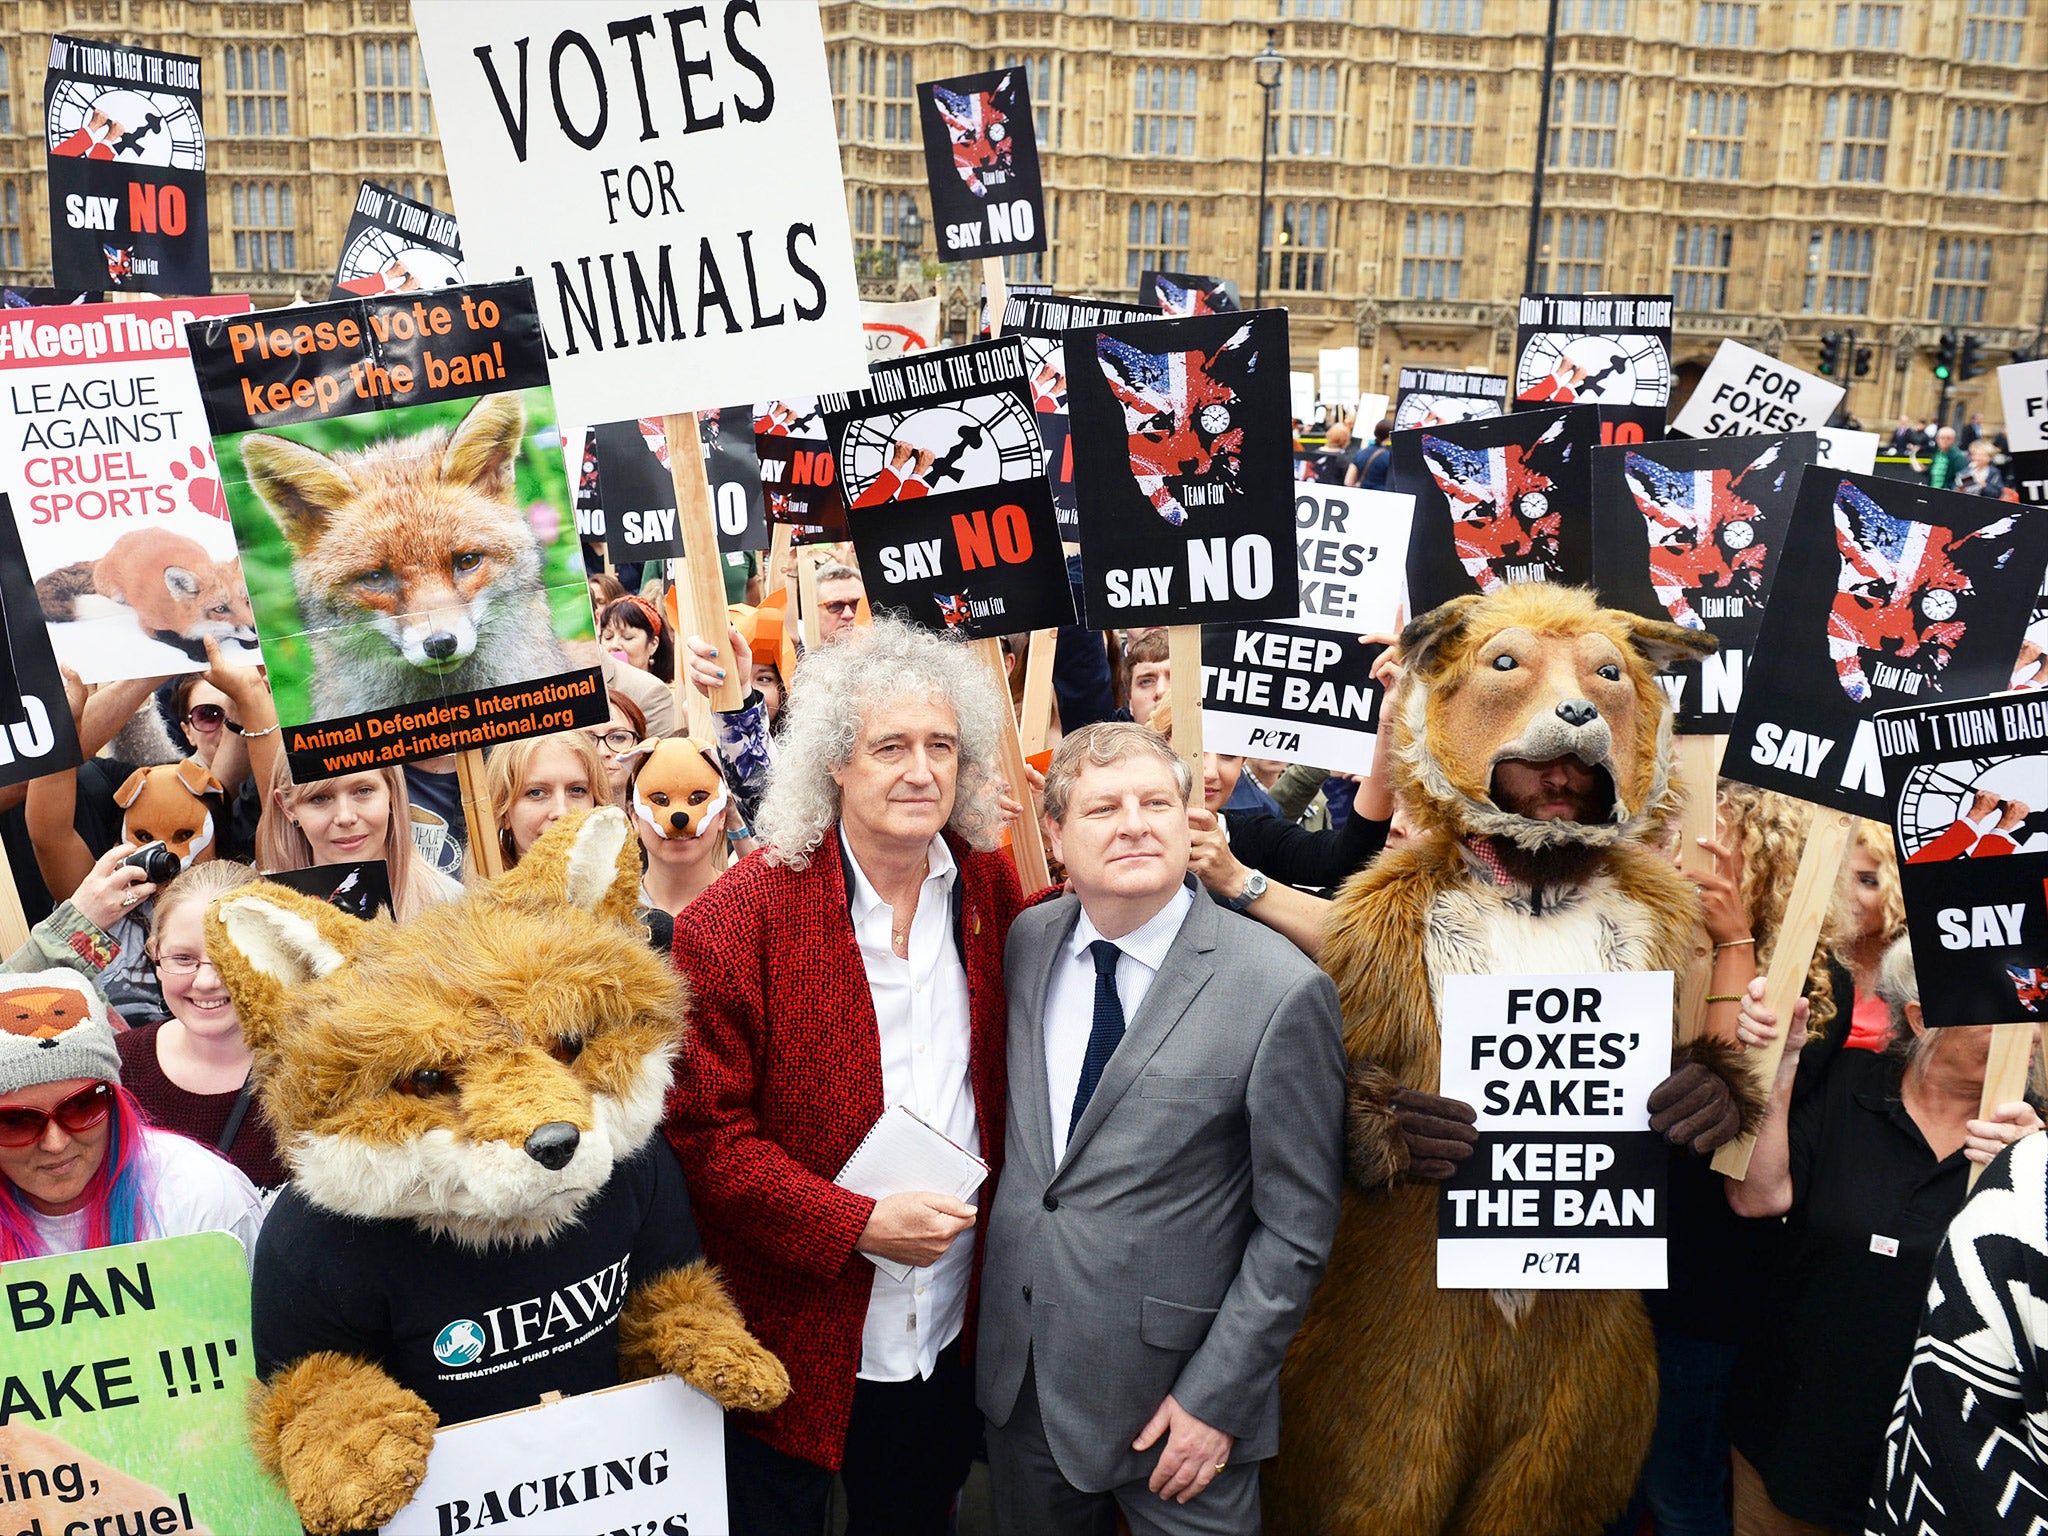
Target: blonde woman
x=354, y=817
x=536, y=782
x=1868, y=914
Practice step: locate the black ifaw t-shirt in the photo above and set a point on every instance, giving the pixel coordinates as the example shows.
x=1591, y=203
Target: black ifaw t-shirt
x=474, y=1332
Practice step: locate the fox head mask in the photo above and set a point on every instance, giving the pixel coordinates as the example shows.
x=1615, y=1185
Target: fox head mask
x=477, y=1070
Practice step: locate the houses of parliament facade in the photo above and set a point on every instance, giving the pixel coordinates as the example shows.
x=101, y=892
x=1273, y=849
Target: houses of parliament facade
x=1784, y=167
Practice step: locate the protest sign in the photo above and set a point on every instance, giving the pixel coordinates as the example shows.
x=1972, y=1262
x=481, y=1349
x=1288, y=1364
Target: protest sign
x=1907, y=596
x=671, y=186
x=646, y=1458
x=1337, y=374
x=579, y=460
x=1971, y=818
x=41, y=298
x=1302, y=691
x=1435, y=397
x=639, y=489
x=394, y=471
x=895, y=329
x=944, y=477
x=1301, y=396
x=106, y=454
x=1042, y=320
x=1565, y=1190
x=1371, y=411
x=1745, y=392
x=799, y=481
x=2023, y=389
x=1182, y=455
x=127, y=166
x=124, y=1388
x=1841, y=448
x=981, y=164
x=1175, y=294
x=361, y=888
x=36, y=730
x=395, y=245
x=1612, y=350
x=1691, y=532
x=1497, y=501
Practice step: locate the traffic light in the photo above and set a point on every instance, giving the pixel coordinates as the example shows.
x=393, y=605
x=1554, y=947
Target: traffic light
x=1863, y=362
x=1972, y=362
x=1945, y=357
x=1833, y=347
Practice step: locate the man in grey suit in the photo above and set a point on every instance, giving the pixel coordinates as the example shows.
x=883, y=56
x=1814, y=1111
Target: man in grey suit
x=1170, y=1186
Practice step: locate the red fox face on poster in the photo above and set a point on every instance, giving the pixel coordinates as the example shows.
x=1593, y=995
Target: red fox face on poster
x=1186, y=293
x=1042, y=320
x=1909, y=597
x=981, y=163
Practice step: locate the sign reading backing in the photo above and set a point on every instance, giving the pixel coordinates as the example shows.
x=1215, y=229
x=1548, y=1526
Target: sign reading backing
x=1744, y=392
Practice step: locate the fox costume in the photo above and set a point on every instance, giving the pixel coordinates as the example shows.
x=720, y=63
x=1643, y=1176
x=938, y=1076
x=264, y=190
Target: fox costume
x=1407, y=1410
x=480, y=1210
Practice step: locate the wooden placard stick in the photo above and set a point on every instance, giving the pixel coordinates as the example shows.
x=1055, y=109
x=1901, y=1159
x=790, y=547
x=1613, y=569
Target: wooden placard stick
x=1034, y=719
x=704, y=598
x=1813, y=888
x=693, y=709
x=998, y=288
x=808, y=627
x=13, y=921
x=478, y=815
x=773, y=580
x=1699, y=767
x=2005, y=1073
x=1184, y=694
x=1027, y=844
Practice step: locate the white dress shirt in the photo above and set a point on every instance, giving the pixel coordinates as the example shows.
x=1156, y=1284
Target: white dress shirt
x=1070, y=999
x=922, y=1024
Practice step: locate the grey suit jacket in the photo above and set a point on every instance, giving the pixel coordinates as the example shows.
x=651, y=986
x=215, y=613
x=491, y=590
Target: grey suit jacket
x=1175, y=1246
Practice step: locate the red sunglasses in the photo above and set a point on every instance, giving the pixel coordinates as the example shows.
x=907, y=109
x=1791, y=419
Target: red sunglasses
x=21, y=1126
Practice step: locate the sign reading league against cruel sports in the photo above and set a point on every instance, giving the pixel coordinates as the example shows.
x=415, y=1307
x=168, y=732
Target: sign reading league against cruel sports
x=1565, y=1190
x=1906, y=596
x=981, y=164
x=669, y=179
x=1745, y=391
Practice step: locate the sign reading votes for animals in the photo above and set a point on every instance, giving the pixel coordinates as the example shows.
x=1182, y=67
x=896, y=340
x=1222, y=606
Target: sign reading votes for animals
x=1906, y=596
x=1970, y=808
x=1183, y=453
x=669, y=179
x=1565, y=1190
x=1744, y=392
x=944, y=479
x=981, y=163
x=1611, y=350
x=395, y=475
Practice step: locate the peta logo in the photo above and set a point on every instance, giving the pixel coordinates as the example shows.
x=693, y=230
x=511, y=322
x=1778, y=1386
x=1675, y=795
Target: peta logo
x=459, y=1343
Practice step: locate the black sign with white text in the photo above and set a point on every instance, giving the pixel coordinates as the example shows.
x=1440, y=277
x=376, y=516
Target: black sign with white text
x=640, y=493
x=1612, y=350
x=1435, y=397
x=37, y=735
x=1043, y=321
x=981, y=162
x=395, y=245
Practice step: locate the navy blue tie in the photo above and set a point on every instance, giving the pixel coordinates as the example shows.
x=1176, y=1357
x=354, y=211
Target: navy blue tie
x=1104, y=1033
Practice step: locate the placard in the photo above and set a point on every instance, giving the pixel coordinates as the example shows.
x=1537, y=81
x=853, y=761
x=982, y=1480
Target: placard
x=1745, y=392
x=1565, y=1190
x=1337, y=374
x=104, y=448
x=1907, y=596
x=1842, y=448
x=394, y=471
x=124, y=1392
x=639, y=492
x=1971, y=818
x=670, y=185
x=647, y=1458
x=2023, y=389
x=1612, y=350
x=981, y=164
x=1182, y=469
x=1176, y=294
x=579, y=460
x=361, y=887
x=799, y=480
x=1436, y=397
x=37, y=735
x=1043, y=320
x=1498, y=501
x=1303, y=691
x=1690, y=533
x=395, y=245
x=127, y=166
x=944, y=477
x=896, y=329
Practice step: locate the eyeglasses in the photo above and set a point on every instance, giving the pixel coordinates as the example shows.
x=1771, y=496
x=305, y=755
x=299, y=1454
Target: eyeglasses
x=844, y=608
x=615, y=742
x=211, y=717
x=180, y=965
x=23, y=1126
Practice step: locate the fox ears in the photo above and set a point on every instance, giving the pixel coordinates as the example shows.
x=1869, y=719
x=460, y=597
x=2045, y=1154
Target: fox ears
x=303, y=487
x=197, y=778
x=589, y=860
x=265, y=940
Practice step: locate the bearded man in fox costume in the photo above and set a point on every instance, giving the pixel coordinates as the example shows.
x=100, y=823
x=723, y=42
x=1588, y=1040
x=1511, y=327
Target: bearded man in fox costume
x=1533, y=753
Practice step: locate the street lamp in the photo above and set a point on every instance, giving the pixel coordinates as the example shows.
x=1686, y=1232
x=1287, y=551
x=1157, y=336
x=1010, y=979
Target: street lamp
x=910, y=229
x=1267, y=66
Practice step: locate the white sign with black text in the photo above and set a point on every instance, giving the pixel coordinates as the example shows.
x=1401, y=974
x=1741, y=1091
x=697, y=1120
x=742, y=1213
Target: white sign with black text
x=1744, y=392
x=2023, y=387
x=1846, y=448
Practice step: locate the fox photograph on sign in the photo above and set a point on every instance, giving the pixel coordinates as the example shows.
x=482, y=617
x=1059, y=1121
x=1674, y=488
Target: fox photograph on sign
x=1183, y=455
x=1612, y=350
x=127, y=167
x=1042, y=320
x=639, y=490
x=1187, y=293
x=981, y=164
x=395, y=245
x=1907, y=596
x=944, y=478
x=1436, y=397
x=1691, y=532
x=1498, y=501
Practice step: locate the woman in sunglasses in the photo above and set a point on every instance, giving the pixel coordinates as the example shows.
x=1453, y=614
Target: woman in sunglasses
x=80, y=1165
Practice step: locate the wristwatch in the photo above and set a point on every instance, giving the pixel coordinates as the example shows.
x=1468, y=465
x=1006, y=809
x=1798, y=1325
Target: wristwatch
x=1254, y=888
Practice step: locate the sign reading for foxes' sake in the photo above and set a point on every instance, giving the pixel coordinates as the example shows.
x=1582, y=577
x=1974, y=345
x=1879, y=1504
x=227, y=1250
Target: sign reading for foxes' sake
x=1906, y=596
x=1612, y=350
x=639, y=490
x=394, y=471
x=981, y=163
x=1043, y=321
x=1746, y=392
x=946, y=497
x=1565, y=1190
x=1691, y=532
x=127, y=164
x=1183, y=452
x=395, y=245
x=669, y=180
x=2023, y=390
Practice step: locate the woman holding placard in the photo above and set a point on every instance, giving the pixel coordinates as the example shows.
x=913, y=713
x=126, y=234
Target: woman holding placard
x=358, y=816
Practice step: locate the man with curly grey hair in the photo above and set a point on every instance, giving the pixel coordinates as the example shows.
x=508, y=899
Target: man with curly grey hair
x=852, y=965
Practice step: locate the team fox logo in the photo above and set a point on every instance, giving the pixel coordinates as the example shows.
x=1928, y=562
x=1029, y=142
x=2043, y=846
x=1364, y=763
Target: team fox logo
x=1706, y=535
x=417, y=574
x=1178, y=413
x=1502, y=521
x=980, y=133
x=178, y=593
x=953, y=608
x=120, y=262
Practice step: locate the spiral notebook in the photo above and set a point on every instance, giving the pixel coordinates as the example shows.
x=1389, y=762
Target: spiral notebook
x=901, y=1155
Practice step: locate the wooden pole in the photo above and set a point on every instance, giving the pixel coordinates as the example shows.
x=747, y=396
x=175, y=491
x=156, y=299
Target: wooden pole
x=808, y=628
x=693, y=709
x=1027, y=845
x=1813, y=888
x=773, y=580
x=1699, y=767
x=2005, y=1073
x=477, y=812
x=1034, y=720
x=1184, y=694
x=13, y=921
x=706, y=591
x=998, y=288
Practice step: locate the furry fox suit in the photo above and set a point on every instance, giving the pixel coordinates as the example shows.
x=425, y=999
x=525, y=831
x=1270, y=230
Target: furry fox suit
x=481, y=1210
x=1407, y=1410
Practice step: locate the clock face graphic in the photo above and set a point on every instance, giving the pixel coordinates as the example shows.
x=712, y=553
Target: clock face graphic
x=980, y=441
x=1561, y=368
x=1423, y=410
x=1936, y=796
x=378, y=261
x=94, y=122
